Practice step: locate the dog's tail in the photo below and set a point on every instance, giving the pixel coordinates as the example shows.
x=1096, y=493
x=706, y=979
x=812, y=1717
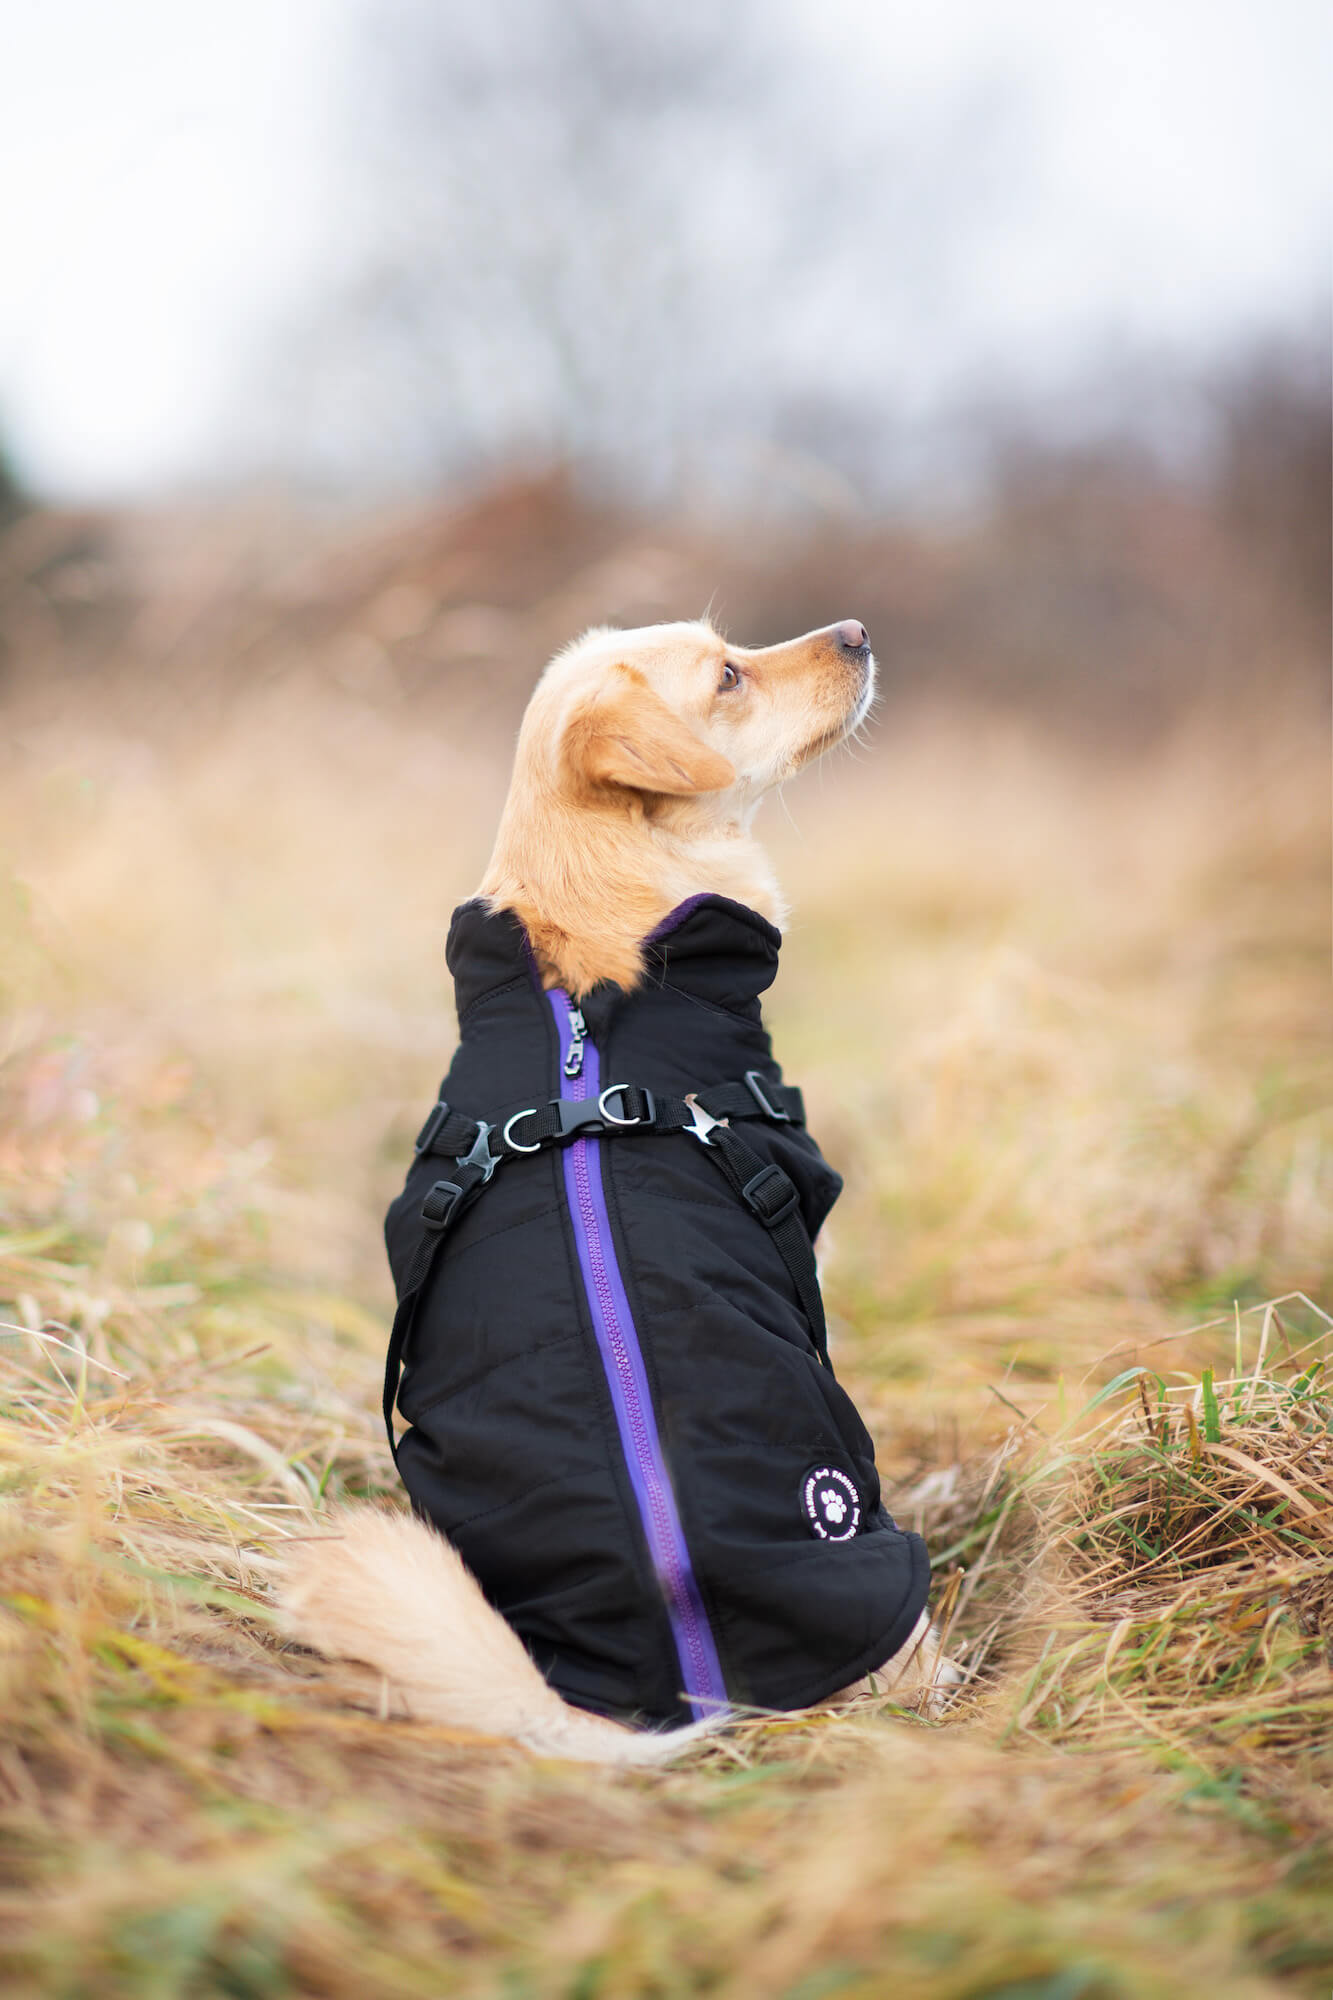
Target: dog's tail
x=388, y=1590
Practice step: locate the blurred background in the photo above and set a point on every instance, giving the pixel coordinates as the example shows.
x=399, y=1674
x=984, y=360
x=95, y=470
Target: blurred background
x=354, y=356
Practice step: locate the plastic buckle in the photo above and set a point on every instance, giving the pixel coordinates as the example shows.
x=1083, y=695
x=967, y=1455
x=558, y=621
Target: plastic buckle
x=435, y=1118
x=612, y=1090
x=770, y=1177
x=438, y=1207
x=481, y=1155
x=754, y=1083
x=580, y=1117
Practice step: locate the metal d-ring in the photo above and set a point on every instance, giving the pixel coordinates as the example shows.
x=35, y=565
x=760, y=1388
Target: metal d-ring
x=609, y=1116
x=515, y=1145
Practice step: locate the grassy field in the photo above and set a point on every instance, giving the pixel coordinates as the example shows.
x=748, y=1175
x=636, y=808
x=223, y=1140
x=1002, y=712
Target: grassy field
x=1062, y=1021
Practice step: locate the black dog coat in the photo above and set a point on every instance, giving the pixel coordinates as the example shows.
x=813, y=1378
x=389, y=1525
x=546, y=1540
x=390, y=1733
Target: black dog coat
x=618, y=1411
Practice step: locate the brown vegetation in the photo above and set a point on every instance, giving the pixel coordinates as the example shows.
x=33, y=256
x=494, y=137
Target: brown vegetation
x=1057, y=989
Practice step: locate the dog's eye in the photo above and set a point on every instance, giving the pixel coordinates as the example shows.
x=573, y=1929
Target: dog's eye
x=730, y=678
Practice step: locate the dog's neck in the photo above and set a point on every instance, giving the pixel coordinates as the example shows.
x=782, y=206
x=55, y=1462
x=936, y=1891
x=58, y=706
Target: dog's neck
x=591, y=881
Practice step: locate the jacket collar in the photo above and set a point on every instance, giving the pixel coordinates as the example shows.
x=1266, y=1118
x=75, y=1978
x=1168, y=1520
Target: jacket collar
x=709, y=947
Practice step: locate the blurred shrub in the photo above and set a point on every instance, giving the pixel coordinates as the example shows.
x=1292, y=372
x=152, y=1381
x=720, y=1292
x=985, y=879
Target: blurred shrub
x=1094, y=588
x=1275, y=480
x=12, y=497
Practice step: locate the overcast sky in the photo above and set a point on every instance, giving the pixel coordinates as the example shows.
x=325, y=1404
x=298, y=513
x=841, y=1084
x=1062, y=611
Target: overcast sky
x=169, y=195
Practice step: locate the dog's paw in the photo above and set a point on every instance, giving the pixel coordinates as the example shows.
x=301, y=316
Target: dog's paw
x=919, y=1676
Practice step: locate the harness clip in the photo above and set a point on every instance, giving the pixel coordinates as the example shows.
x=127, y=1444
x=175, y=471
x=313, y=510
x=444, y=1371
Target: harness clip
x=578, y=1115
x=701, y=1122
x=481, y=1157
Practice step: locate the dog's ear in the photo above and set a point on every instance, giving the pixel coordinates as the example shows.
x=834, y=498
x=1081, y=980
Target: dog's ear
x=629, y=736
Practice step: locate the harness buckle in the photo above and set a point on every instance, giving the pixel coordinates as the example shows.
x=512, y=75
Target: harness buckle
x=438, y=1207
x=435, y=1117
x=481, y=1157
x=764, y=1195
x=754, y=1083
x=578, y=1116
x=701, y=1122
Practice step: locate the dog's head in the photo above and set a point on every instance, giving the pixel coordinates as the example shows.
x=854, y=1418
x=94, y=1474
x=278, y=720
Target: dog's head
x=673, y=713
x=640, y=761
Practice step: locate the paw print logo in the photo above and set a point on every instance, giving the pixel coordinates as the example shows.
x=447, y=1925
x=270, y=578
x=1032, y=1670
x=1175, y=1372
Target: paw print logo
x=831, y=1504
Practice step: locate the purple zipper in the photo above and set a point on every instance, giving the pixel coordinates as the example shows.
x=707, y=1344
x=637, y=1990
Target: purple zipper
x=627, y=1377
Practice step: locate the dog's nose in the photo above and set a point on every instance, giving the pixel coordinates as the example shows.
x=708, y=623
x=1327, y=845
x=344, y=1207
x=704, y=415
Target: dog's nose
x=852, y=634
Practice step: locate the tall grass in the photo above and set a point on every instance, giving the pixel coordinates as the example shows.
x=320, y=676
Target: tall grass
x=1062, y=1022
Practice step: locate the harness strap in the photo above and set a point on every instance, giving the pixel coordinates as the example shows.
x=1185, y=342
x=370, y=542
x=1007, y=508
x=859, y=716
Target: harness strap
x=620, y=1107
x=771, y=1195
x=479, y=1147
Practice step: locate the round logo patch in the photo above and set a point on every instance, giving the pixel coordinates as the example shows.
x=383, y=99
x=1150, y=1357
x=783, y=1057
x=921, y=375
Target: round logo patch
x=831, y=1504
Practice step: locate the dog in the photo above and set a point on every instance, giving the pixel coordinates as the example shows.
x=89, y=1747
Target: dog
x=641, y=1498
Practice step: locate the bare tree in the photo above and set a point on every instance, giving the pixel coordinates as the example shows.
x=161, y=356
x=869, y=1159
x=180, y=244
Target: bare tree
x=634, y=238
x=541, y=227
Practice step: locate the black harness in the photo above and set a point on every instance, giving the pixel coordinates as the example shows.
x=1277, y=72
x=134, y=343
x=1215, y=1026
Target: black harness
x=611, y=1358
x=479, y=1147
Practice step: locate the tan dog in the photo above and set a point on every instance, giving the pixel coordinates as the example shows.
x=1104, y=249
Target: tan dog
x=641, y=761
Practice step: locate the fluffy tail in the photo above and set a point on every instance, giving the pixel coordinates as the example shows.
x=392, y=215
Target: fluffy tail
x=390, y=1591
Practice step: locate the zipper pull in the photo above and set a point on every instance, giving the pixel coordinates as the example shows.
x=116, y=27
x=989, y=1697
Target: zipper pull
x=578, y=1028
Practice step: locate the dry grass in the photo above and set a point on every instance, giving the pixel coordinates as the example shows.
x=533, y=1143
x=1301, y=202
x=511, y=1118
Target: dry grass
x=1063, y=1025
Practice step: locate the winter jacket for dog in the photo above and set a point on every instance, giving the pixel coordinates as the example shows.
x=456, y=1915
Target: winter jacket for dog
x=618, y=1411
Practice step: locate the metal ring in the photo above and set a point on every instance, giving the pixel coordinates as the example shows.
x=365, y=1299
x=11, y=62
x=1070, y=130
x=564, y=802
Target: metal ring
x=754, y=1083
x=510, y=1141
x=610, y=1116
